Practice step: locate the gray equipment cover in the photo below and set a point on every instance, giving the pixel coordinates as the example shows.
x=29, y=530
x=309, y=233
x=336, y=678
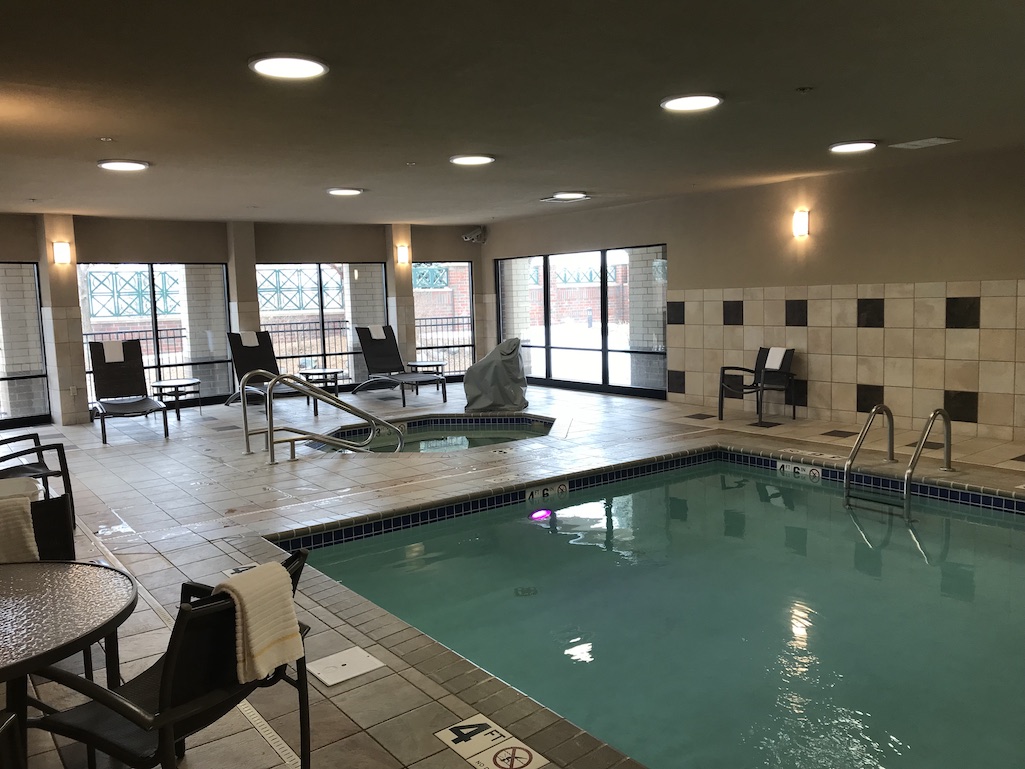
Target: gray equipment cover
x=496, y=382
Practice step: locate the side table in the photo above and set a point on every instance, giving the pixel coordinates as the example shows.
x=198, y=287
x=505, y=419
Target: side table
x=175, y=389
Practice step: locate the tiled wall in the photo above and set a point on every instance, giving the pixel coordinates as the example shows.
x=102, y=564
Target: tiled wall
x=913, y=346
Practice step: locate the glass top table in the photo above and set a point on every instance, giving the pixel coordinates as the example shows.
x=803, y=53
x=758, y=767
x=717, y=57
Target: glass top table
x=50, y=610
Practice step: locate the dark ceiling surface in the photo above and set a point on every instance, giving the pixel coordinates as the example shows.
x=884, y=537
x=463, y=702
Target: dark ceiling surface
x=565, y=95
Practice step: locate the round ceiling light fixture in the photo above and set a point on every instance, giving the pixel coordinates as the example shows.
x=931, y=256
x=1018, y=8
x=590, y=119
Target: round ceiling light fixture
x=123, y=165
x=287, y=66
x=571, y=196
x=848, y=147
x=695, y=102
x=345, y=192
x=471, y=160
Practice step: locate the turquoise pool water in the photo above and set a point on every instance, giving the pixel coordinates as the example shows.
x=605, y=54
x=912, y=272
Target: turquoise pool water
x=718, y=617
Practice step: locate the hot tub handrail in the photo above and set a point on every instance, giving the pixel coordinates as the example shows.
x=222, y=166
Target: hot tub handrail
x=880, y=408
x=303, y=387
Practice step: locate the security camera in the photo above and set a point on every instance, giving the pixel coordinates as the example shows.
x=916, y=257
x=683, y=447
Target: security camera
x=476, y=235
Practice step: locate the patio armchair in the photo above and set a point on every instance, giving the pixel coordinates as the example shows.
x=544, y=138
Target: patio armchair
x=144, y=723
x=771, y=373
x=254, y=351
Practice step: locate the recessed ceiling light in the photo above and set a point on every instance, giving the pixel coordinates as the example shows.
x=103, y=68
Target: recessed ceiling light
x=691, y=103
x=123, y=165
x=288, y=66
x=845, y=147
x=345, y=191
x=472, y=160
x=571, y=196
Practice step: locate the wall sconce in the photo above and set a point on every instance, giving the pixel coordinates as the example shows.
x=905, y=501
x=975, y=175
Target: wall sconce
x=403, y=254
x=801, y=223
x=61, y=252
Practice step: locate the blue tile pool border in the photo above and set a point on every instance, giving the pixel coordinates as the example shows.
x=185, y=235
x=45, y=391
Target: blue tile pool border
x=989, y=505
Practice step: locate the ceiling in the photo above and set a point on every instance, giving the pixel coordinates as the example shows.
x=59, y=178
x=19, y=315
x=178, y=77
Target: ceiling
x=565, y=95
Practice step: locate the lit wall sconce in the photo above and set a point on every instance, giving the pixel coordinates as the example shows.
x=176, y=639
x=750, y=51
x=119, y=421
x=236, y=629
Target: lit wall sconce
x=61, y=252
x=403, y=254
x=801, y=223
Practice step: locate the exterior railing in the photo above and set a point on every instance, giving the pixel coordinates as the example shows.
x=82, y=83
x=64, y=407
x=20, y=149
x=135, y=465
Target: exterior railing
x=449, y=339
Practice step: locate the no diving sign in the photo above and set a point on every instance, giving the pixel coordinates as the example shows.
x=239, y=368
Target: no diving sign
x=487, y=746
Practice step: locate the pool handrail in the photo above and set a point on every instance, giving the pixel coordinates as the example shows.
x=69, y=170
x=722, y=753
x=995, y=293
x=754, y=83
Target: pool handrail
x=880, y=408
x=946, y=467
x=313, y=391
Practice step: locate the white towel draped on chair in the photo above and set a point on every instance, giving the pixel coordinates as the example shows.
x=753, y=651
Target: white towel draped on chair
x=266, y=628
x=775, y=358
x=249, y=339
x=114, y=352
x=376, y=332
x=17, y=537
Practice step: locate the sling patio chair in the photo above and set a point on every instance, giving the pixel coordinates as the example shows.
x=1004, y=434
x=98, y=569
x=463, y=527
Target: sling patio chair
x=385, y=367
x=120, y=381
x=35, y=462
x=254, y=351
x=144, y=722
x=771, y=373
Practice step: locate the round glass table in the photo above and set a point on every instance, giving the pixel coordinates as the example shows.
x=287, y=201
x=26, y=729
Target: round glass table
x=50, y=610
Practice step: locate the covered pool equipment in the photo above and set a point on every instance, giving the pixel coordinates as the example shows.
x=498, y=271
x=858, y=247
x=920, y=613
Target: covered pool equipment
x=496, y=382
x=443, y=433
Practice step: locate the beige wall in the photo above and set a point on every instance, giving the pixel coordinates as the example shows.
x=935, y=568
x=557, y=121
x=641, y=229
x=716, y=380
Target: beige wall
x=18, y=238
x=288, y=243
x=99, y=240
x=933, y=220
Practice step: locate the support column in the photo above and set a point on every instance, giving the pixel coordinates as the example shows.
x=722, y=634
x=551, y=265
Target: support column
x=62, y=323
x=401, y=313
x=243, y=300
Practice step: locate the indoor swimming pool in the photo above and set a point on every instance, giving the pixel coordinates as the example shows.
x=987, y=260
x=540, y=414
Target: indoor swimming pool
x=719, y=616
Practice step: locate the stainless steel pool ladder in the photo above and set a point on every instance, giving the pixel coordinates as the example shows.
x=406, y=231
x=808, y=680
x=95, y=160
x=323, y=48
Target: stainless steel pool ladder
x=882, y=408
x=377, y=426
x=878, y=409
x=918, y=453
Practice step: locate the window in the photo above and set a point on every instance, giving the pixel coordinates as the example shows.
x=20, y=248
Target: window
x=177, y=311
x=23, y=388
x=593, y=319
x=443, y=310
x=311, y=311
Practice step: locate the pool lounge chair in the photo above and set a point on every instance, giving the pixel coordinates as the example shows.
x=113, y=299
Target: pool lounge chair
x=385, y=366
x=254, y=351
x=120, y=381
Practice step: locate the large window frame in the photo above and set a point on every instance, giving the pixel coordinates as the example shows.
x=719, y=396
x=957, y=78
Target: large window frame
x=445, y=337
x=320, y=341
x=156, y=299
x=25, y=330
x=543, y=351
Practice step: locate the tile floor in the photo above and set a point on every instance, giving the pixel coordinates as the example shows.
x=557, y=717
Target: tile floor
x=196, y=504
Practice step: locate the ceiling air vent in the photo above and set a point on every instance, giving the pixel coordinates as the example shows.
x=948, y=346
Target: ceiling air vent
x=921, y=144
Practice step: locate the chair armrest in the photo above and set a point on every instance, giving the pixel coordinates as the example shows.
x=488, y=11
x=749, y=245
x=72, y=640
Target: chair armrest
x=193, y=590
x=724, y=369
x=106, y=697
x=34, y=437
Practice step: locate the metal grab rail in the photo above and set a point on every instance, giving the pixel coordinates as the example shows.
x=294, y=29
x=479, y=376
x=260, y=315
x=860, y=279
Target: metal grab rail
x=918, y=453
x=305, y=388
x=878, y=409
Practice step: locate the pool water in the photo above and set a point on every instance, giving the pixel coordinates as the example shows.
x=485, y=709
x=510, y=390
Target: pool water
x=720, y=617
x=436, y=441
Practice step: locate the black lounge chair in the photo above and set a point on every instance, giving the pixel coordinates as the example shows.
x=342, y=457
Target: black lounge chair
x=250, y=357
x=121, y=389
x=144, y=722
x=764, y=376
x=385, y=366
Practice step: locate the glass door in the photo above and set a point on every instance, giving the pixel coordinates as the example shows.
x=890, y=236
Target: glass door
x=590, y=320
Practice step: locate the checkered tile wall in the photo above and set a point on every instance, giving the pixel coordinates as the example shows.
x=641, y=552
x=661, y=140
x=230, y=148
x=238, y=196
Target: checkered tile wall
x=914, y=346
